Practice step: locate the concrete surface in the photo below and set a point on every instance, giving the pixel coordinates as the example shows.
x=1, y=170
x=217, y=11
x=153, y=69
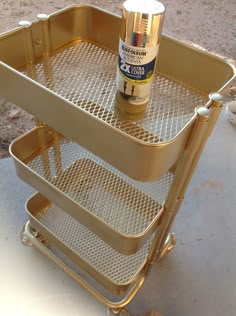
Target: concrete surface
x=197, y=278
x=31, y=284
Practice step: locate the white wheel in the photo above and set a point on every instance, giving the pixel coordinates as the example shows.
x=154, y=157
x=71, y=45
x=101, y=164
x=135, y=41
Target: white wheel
x=26, y=241
x=23, y=238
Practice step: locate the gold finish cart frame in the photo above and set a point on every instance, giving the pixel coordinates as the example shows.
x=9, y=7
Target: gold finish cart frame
x=108, y=189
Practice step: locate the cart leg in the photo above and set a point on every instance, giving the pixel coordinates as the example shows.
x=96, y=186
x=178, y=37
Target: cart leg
x=168, y=246
x=118, y=312
x=25, y=240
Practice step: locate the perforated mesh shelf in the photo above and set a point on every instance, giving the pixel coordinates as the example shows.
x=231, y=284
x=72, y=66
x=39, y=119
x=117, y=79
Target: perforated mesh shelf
x=84, y=74
x=112, y=266
x=126, y=205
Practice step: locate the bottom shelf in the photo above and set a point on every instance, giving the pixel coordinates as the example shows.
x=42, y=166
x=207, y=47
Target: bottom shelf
x=116, y=272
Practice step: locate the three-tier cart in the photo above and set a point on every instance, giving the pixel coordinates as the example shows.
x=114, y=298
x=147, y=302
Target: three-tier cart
x=108, y=189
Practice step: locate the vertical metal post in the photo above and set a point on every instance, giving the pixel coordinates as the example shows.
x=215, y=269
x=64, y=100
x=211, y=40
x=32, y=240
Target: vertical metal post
x=57, y=152
x=47, y=65
x=206, y=119
x=46, y=38
x=48, y=73
x=44, y=153
x=29, y=49
x=30, y=58
x=215, y=107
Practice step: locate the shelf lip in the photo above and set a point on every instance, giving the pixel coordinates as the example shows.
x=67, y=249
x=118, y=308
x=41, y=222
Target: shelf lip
x=37, y=207
x=111, y=303
x=113, y=145
x=27, y=150
x=78, y=278
x=42, y=114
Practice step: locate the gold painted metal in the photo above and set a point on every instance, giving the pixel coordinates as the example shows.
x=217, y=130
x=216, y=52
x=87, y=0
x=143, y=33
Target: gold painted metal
x=46, y=35
x=215, y=109
x=118, y=312
x=66, y=78
x=28, y=41
x=174, y=199
x=78, y=278
x=169, y=244
x=116, y=272
x=184, y=171
x=57, y=74
x=121, y=211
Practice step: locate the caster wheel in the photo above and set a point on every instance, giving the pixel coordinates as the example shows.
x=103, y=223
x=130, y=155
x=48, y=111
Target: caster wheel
x=23, y=238
x=169, y=245
x=26, y=241
x=118, y=312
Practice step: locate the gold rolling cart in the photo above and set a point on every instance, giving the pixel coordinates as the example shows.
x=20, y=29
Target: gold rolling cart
x=108, y=188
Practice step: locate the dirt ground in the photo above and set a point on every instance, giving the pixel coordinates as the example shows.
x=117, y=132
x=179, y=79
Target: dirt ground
x=207, y=24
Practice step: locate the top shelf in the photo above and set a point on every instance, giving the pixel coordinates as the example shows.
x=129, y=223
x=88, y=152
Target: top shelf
x=84, y=74
x=62, y=69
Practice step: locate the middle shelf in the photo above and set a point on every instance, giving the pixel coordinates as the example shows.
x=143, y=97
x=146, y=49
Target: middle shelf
x=121, y=211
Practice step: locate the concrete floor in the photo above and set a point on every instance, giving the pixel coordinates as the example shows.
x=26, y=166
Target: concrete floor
x=197, y=278
x=31, y=284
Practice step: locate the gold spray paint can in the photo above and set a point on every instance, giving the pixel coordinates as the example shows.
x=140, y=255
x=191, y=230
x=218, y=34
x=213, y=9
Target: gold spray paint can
x=138, y=48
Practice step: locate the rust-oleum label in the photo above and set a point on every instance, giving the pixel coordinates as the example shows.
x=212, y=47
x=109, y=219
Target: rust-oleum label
x=135, y=71
x=135, y=63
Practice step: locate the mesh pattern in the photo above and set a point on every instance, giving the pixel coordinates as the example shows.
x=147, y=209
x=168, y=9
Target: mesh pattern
x=126, y=205
x=119, y=268
x=85, y=75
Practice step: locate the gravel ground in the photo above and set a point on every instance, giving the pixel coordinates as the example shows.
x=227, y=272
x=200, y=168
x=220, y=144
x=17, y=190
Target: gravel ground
x=208, y=24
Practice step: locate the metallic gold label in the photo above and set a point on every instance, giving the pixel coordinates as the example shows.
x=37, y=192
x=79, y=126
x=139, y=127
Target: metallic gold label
x=138, y=48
